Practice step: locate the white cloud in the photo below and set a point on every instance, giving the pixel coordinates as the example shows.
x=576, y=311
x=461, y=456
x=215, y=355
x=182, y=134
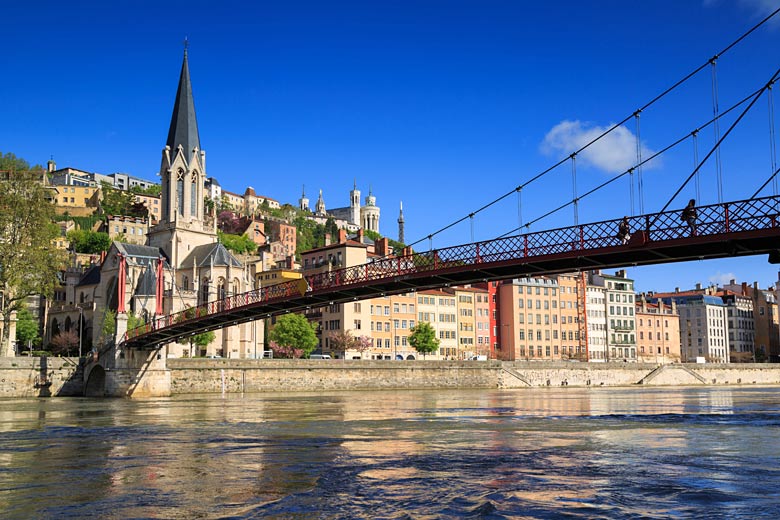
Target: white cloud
x=613, y=153
x=759, y=9
x=721, y=279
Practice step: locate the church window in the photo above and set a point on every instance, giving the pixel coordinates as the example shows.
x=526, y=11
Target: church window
x=194, y=195
x=180, y=192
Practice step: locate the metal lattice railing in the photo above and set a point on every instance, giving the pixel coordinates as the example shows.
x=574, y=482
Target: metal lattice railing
x=718, y=219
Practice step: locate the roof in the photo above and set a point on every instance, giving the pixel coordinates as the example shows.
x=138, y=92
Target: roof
x=147, y=283
x=210, y=254
x=184, y=126
x=90, y=277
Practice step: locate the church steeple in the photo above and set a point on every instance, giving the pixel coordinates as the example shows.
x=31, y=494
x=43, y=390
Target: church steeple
x=184, y=126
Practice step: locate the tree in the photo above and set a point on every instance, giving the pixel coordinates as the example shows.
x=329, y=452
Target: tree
x=237, y=243
x=64, y=342
x=10, y=162
x=28, y=262
x=154, y=190
x=201, y=341
x=423, y=338
x=343, y=340
x=26, y=329
x=117, y=202
x=88, y=242
x=295, y=331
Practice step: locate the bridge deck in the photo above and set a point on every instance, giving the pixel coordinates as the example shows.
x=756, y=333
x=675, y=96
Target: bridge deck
x=741, y=228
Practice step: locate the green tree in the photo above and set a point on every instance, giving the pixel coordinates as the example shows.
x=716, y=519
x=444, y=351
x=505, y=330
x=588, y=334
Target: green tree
x=201, y=341
x=423, y=338
x=294, y=330
x=116, y=202
x=237, y=243
x=26, y=329
x=28, y=262
x=154, y=190
x=108, y=329
x=10, y=162
x=88, y=242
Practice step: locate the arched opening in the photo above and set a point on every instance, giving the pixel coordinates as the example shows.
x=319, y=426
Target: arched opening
x=410, y=357
x=111, y=294
x=68, y=324
x=204, y=292
x=96, y=383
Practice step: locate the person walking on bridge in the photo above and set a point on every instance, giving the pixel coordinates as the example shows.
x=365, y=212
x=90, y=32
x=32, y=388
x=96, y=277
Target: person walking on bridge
x=624, y=231
x=689, y=216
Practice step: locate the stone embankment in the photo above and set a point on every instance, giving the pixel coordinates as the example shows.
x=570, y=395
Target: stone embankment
x=34, y=377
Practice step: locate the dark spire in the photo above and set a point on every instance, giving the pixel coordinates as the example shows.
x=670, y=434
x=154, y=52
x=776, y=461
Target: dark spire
x=401, y=224
x=184, y=126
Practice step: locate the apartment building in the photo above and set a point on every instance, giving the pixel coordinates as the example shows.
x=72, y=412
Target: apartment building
x=596, y=321
x=658, y=331
x=439, y=308
x=621, y=320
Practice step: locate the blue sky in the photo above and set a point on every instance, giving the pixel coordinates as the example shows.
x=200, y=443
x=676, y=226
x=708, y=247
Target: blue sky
x=444, y=105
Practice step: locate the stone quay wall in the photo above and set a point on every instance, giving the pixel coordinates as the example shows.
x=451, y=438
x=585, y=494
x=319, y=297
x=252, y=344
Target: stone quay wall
x=235, y=376
x=40, y=377
x=45, y=377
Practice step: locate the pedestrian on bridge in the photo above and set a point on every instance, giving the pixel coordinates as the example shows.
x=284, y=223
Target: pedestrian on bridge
x=624, y=231
x=689, y=216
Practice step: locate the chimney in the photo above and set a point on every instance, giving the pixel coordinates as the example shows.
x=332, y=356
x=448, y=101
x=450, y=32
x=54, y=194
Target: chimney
x=327, y=239
x=698, y=286
x=360, y=235
x=744, y=288
x=382, y=247
x=290, y=262
x=342, y=236
x=676, y=289
x=732, y=282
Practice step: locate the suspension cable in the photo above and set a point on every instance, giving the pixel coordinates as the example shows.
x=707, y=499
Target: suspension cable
x=639, y=168
x=519, y=207
x=717, y=145
x=609, y=130
x=471, y=217
x=645, y=161
x=695, y=135
x=716, y=126
x=631, y=191
x=772, y=144
x=574, y=187
x=772, y=178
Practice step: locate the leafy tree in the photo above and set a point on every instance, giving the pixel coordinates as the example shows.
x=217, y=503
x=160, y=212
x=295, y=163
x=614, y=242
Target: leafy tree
x=423, y=338
x=28, y=262
x=201, y=341
x=64, y=342
x=10, y=162
x=117, y=202
x=88, y=242
x=294, y=330
x=108, y=329
x=26, y=328
x=154, y=190
x=237, y=243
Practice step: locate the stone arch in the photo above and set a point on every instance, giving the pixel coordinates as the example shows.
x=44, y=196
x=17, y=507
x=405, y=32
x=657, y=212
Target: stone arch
x=95, y=385
x=221, y=288
x=55, y=328
x=68, y=323
x=236, y=286
x=410, y=357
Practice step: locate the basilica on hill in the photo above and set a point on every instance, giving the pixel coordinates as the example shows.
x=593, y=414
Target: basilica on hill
x=182, y=264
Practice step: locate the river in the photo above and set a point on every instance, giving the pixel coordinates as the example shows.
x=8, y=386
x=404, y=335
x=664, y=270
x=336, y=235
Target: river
x=493, y=454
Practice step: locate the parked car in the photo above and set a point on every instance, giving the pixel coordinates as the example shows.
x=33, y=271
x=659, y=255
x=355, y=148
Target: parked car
x=319, y=356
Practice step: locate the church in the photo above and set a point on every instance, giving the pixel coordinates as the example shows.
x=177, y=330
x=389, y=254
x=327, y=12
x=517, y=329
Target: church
x=181, y=266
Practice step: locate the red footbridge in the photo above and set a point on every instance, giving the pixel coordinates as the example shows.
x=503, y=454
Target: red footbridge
x=741, y=228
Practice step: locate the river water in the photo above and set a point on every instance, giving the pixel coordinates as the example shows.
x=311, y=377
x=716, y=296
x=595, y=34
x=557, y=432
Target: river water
x=532, y=453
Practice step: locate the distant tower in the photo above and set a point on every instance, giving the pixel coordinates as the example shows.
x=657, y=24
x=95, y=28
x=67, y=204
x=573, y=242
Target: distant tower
x=401, y=224
x=369, y=214
x=320, y=207
x=354, y=204
x=303, y=202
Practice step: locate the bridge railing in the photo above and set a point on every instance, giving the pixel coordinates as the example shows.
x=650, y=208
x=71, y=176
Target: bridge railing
x=739, y=216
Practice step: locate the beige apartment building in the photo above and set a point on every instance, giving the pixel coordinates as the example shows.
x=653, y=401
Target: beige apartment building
x=439, y=308
x=658, y=332
x=392, y=318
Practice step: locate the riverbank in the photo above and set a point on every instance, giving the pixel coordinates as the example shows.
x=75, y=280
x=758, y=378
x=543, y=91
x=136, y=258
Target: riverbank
x=44, y=377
